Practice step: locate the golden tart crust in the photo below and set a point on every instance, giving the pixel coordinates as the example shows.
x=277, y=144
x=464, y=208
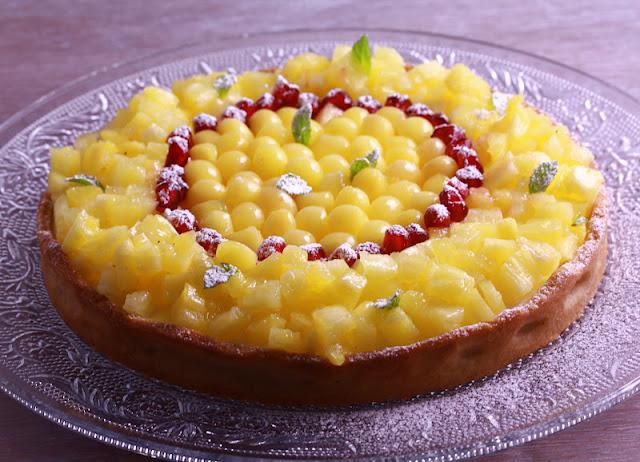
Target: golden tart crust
x=184, y=357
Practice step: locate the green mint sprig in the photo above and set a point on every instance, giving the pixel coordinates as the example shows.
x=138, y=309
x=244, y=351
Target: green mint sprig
x=218, y=274
x=388, y=303
x=361, y=55
x=542, y=176
x=224, y=82
x=85, y=180
x=370, y=160
x=301, y=125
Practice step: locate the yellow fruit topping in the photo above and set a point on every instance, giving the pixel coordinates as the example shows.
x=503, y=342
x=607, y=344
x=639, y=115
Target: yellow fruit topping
x=320, y=182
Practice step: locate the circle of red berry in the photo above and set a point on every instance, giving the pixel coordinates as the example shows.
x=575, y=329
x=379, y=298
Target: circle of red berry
x=171, y=187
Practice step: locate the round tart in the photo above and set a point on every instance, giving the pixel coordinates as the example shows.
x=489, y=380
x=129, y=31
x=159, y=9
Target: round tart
x=336, y=231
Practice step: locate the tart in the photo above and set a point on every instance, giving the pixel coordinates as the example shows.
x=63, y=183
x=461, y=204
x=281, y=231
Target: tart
x=338, y=230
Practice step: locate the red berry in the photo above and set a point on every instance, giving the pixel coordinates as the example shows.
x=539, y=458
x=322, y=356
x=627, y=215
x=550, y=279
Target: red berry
x=402, y=102
x=271, y=245
x=314, y=251
x=183, y=132
x=455, y=204
x=178, y=152
x=171, y=189
x=464, y=154
x=459, y=186
x=344, y=252
x=368, y=247
x=310, y=99
x=204, y=121
x=246, y=105
x=266, y=101
x=396, y=238
x=437, y=118
x=437, y=216
x=339, y=98
x=286, y=93
x=233, y=112
x=417, y=234
x=181, y=219
x=470, y=176
x=471, y=159
x=209, y=239
x=449, y=134
x=369, y=103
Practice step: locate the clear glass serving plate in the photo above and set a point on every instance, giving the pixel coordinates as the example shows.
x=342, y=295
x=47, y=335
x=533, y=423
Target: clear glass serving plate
x=592, y=366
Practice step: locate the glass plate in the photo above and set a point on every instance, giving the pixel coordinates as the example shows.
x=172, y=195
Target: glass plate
x=595, y=363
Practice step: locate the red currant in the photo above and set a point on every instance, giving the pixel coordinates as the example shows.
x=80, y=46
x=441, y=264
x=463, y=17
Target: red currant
x=209, y=239
x=178, y=153
x=368, y=247
x=402, y=102
x=470, y=176
x=337, y=97
x=344, y=252
x=181, y=219
x=266, y=101
x=171, y=189
x=369, y=103
x=314, y=252
x=204, y=121
x=286, y=93
x=437, y=216
x=455, y=204
x=271, y=245
x=246, y=105
x=233, y=112
x=183, y=132
x=396, y=238
x=310, y=99
x=417, y=234
x=459, y=186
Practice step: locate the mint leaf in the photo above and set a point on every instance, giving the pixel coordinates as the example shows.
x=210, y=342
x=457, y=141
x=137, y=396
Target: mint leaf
x=293, y=185
x=224, y=82
x=85, y=180
x=542, y=176
x=388, y=303
x=361, y=55
x=370, y=160
x=301, y=125
x=218, y=274
x=579, y=220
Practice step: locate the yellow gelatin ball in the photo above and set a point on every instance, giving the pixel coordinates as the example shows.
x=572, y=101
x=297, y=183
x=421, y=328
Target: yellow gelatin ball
x=331, y=241
x=263, y=117
x=334, y=163
x=435, y=183
x=430, y=149
x=393, y=115
x=206, y=137
x=260, y=142
x=269, y=161
x=423, y=199
x=218, y=220
x=293, y=150
x=342, y=126
x=232, y=162
x=353, y=196
x=377, y=126
x=373, y=231
x=332, y=182
x=385, y=208
x=247, y=214
x=272, y=198
x=237, y=254
x=326, y=144
x=298, y=237
x=372, y=181
x=323, y=199
x=278, y=223
x=205, y=190
x=204, y=151
x=240, y=189
x=406, y=217
x=444, y=165
x=357, y=114
x=308, y=169
x=415, y=128
x=361, y=146
x=251, y=237
x=403, y=170
x=347, y=218
x=313, y=219
x=286, y=115
x=277, y=132
x=403, y=190
x=197, y=170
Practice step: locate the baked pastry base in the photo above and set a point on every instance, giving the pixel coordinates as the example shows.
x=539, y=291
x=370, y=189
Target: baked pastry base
x=192, y=360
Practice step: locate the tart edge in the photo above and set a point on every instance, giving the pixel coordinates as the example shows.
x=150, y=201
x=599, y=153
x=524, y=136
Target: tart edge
x=192, y=360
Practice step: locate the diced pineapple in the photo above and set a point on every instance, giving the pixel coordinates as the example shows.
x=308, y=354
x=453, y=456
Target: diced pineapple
x=138, y=303
x=333, y=326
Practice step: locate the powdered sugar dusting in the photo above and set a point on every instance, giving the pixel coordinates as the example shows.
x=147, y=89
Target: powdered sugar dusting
x=293, y=185
x=180, y=141
x=368, y=247
x=182, y=131
x=180, y=218
x=233, y=112
x=469, y=173
x=397, y=230
x=217, y=275
x=205, y=119
x=440, y=210
x=281, y=80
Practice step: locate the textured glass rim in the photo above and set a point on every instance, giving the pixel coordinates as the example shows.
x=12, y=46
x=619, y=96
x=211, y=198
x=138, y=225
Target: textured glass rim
x=31, y=397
